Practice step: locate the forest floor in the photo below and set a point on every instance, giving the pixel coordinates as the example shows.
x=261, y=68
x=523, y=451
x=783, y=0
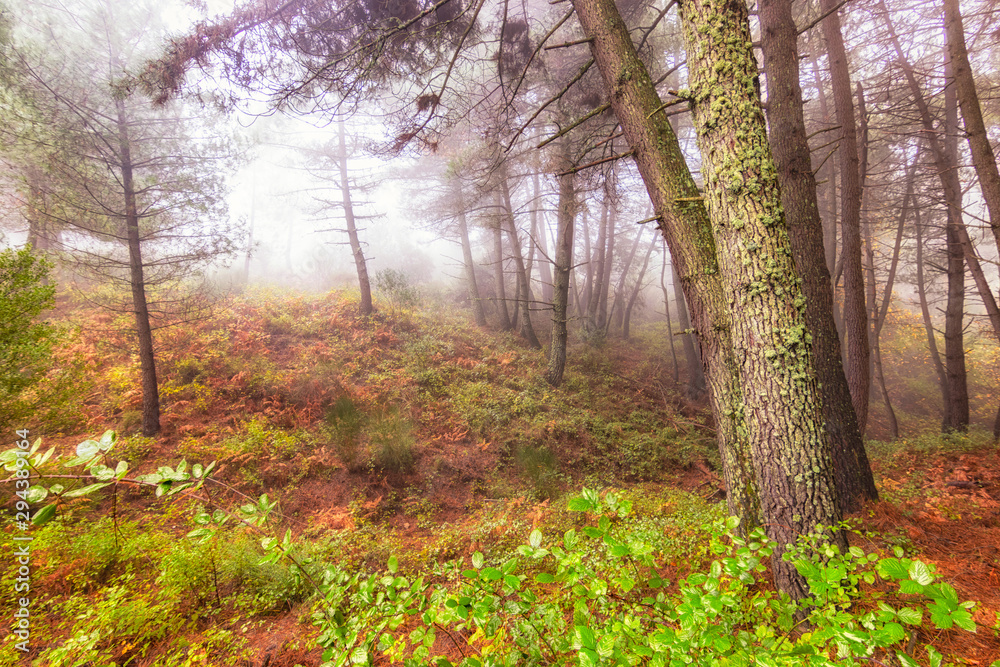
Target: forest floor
x=402, y=436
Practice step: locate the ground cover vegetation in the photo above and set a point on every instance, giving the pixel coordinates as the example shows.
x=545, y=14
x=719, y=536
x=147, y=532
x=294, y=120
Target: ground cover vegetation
x=407, y=487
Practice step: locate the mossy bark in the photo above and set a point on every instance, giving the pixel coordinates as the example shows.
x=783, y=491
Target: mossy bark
x=789, y=143
x=781, y=398
x=683, y=220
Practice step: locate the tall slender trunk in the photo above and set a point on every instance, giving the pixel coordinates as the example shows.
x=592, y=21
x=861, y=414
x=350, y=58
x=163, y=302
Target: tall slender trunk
x=828, y=173
x=636, y=289
x=538, y=230
x=666, y=309
x=498, y=279
x=855, y=313
x=253, y=217
x=617, y=312
x=144, y=331
x=609, y=262
x=352, y=231
x=594, y=323
x=584, y=299
x=975, y=129
x=956, y=414
x=696, y=385
x=945, y=155
x=470, y=266
x=563, y=268
x=790, y=146
x=925, y=312
x=683, y=220
x=524, y=296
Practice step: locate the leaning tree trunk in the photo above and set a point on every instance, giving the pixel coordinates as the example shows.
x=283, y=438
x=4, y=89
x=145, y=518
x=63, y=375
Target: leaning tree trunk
x=684, y=222
x=855, y=314
x=352, y=231
x=563, y=267
x=144, y=331
x=789, y=143
x=925, y=311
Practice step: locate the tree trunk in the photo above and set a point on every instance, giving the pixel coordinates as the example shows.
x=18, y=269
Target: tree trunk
x=925, y=312
x=945, y=154
x=956, y=413
x=563, y=267
x=828, y=174
x=855, y=313
x=144, y=331
x=253, y=216
x=975, y=129
x=636, y=289
x=855, y=482
x=498, y=278
x=617, y=314
x=470, y=266
x=683, y=220
x=666, y=309
x=696, y=385
x=609, y=262
x=524, y=296
x=597, y=279
x=538, y=226
x=352, y=231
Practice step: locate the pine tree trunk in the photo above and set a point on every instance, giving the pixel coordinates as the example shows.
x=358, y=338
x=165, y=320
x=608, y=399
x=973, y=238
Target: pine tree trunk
x=563, y=268
x=352, y=231
x=925, y=312
x=696, y=385
x=597, y=279
x=666, y=309
x=144, y=331
x=470, y=266
x=983, y=156
x=498, y=279
x=855, y=313
x=782, y=403
x=683, y=220
x=538, y=229
x=855, y=482
x=524, y=296
x=636, y=289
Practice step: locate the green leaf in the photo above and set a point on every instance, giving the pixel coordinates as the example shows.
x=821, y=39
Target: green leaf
x=512, y=581
x=102, y=472
x=90, y=488
x=535, y=539
x=359, y=656
x=107, y=440
x=477, y=560
x=891, y=568
x=43, y=515
x=910, y=616
x=584, y=637
x=579, y=505
x=491, y=574
x=905, y=660
x=268, y=543
x=910, y=587
x=121, y=469
x=37, y=494
x=920, y=573
x=544, y=578
x=393, y=564
x=963, y=619
x=889, y=634
x=934, y=656
x=87, y=449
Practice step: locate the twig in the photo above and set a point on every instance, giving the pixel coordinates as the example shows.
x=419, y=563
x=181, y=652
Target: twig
x=585, y=40
x=595, y=163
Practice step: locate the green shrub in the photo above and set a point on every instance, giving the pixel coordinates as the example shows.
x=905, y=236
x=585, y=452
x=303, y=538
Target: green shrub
x=395, y=287
x=343, y=423
x=392, y=442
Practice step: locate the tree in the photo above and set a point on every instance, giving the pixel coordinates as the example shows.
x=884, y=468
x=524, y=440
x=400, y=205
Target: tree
x=25, y=343
x=141, y=189
x=790, y=146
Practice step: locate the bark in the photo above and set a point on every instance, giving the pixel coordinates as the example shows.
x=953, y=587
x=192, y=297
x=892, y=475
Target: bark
x=583, y=302
x=828, y=174
x=945, y=156
x=696, y=385
x=538, y=226
x=470, y=266
x=636, y=289
x=609, y=262
x=666, y=309
x=983, y=156
x=140, y=307
x=498, y=278
x=855, y=313
x=563, y=268
x=253, y=217
x=956, y=413
x=790, y=146
x=781, y=396
x=352, y=231
x=524, y=296
x=617, y=314
x=594, y=323
x=685, y=226
x=925, y=312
